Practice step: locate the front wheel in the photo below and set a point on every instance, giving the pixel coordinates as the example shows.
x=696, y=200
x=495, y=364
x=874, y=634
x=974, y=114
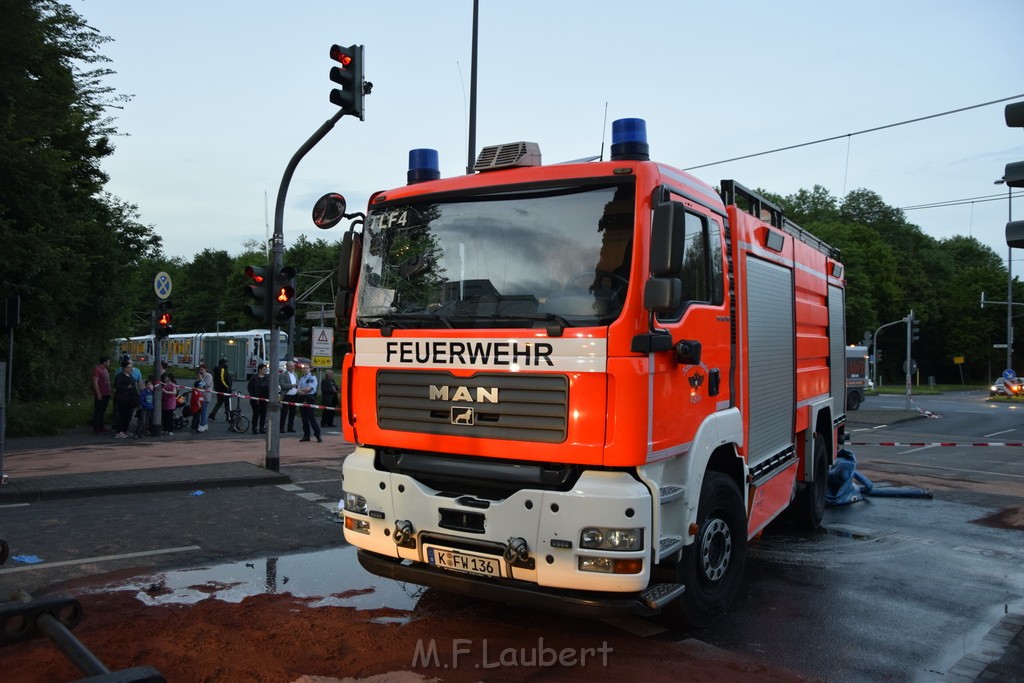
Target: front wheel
x=241, y=424
x=711, y=567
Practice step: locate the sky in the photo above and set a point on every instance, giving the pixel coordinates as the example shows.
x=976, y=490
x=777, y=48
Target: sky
x=224, y=93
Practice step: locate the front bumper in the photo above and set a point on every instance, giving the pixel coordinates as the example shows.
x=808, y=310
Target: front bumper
x=547, y=522
x=574, y=603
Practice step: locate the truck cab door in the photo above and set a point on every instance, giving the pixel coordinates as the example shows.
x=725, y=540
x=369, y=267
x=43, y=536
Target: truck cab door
x=690, y=381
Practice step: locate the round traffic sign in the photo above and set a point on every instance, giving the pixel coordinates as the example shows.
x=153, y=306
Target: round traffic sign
x=162, y=285
x=1008, y=373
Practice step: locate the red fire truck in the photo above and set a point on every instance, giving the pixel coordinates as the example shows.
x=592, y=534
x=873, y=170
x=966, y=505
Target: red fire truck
x=584, y=387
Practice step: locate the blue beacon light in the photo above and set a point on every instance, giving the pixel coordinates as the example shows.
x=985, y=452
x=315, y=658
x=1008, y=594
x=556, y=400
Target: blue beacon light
x=423, y=166
x=629, y=140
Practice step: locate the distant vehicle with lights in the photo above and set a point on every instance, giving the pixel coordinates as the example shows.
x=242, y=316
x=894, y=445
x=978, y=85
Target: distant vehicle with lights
x=583, y=387
x=857, y=380
x=1007, y=387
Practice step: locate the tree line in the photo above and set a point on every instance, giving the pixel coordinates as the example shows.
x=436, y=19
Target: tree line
x=83, y=263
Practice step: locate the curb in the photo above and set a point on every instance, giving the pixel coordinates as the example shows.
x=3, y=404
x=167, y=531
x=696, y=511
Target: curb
x=156, y=479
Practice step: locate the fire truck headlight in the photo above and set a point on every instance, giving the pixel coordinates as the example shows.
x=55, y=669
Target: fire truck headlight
x=610, y=565
x=360, y=525
x=603, y=538
x=355, y=503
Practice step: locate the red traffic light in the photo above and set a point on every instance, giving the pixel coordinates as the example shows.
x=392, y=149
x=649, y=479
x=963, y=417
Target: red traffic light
x=349, y=76
x=340, y=54
x=164, y=320
x=255, y=273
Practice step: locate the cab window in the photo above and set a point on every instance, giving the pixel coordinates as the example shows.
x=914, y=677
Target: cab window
x=701, y=272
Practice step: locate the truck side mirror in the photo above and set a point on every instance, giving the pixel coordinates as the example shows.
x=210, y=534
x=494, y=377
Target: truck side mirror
x=668, y=232
x=663, y=294
x=349, y=262
x=329, y=210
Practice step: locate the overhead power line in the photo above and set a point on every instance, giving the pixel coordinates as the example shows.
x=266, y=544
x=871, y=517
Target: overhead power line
x=859, y=132
x=957, y=202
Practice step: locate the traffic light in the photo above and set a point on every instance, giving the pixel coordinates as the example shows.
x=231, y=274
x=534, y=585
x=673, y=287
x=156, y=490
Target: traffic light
x=164, y=319
x=281, y=294
x=256, y=293
x=302, y=338
x=1013, y=175
x=350, y=77
x=915, y=330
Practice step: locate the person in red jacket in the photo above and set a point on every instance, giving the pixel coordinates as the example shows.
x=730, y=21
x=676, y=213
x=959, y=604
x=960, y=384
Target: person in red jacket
x=196, y=404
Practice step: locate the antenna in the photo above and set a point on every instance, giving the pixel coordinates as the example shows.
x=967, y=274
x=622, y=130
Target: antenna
x=604, y=128
x=266, y=220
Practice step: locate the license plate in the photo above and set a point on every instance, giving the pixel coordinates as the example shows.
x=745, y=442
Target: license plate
x=461, y=561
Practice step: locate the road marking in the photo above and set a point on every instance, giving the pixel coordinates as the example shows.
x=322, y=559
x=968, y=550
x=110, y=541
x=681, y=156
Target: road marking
x=915, y=450
x=948, y=469
x=103, y=558
x=15, y=505
x=1005, y=431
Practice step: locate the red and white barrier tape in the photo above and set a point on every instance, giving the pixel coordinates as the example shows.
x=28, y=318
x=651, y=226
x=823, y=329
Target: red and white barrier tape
x=921, y=444
x=236, y=394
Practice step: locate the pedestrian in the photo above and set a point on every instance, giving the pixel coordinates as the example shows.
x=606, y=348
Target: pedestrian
x=329, y=392
x=100, y=393
x=307, y=397
x=222, y=385
x=136, y=373
x=145, y=409
x=196, y=404
x=170, y=403
x=137, y=376
x=207, y=379
x=288, y=384
x=126, y=398
x=259, y=393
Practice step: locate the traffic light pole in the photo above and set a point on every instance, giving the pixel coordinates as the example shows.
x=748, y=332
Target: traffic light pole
x=273, y=458
x=875, y=347
x=909, y=366
x=158, y=386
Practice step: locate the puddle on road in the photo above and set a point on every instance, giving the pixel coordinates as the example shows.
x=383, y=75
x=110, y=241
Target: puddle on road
x=334, y=576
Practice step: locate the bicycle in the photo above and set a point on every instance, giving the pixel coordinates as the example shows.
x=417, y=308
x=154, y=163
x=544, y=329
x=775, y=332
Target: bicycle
x=237, y=422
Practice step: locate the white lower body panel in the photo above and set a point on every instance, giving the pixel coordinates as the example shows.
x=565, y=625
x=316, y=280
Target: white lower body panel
x=549, y=522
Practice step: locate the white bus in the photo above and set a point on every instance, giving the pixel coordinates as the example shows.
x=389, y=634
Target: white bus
x=243, y=350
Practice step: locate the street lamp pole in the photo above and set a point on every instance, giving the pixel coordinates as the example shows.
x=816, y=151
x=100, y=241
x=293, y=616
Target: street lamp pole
x=1009, y=279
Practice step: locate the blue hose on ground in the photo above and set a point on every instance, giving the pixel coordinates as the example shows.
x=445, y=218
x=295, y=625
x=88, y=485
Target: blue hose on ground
x=846, y=485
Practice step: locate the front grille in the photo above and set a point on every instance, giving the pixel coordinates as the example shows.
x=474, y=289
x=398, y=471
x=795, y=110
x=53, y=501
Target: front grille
x=487, y=406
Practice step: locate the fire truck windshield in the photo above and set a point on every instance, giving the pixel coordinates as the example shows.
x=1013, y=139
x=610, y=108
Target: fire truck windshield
x=510, y=259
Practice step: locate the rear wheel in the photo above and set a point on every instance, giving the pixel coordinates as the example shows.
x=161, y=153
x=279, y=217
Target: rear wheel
x=711, y=567
x=808, y=507
x=853, y=402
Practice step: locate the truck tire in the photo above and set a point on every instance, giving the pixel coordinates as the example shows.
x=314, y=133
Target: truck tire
x=711, y=567
x=853, y=401
x=808, y=507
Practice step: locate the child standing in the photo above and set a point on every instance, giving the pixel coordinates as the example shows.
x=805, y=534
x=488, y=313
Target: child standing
x=196, y=404
x=170, y=402
x=146, y=406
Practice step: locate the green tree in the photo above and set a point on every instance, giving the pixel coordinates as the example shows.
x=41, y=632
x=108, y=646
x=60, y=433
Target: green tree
x=70, y=250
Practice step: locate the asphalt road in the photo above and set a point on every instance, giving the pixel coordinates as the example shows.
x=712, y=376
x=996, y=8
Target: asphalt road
x=893, y=588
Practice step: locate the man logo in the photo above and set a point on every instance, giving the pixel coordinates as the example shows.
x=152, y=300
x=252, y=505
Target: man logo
x=463, y=416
